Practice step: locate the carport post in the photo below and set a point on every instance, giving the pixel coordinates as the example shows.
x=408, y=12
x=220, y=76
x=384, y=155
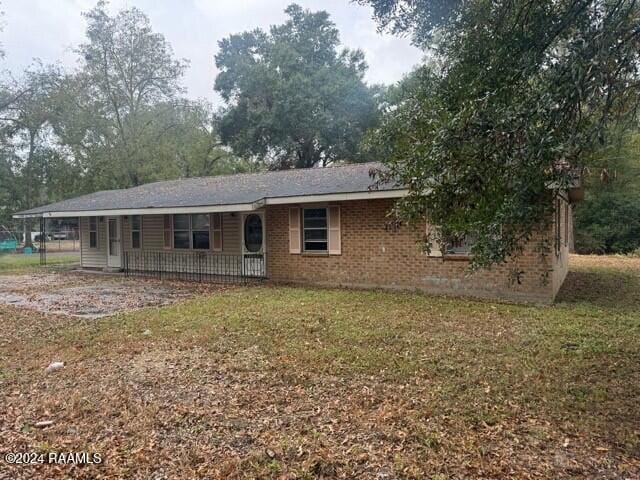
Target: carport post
x=43, y=241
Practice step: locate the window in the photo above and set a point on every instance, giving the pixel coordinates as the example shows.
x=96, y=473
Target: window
x=167, y=231
x=136, y=231
x=93, y=232
x=314, y=226
x=189, y=231
x=181, y=232
x=458, y=245
x=453, y=246
x=200, y=231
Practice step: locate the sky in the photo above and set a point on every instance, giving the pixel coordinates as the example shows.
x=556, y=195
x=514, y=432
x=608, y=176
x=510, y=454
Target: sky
x=50, y=30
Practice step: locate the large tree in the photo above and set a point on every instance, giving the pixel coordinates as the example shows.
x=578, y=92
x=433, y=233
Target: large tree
x=190, y=141
x=518, y=95
x=107, y=108
x=27, y=146
x=117, y=120
x=419, y=17
x=294, y=99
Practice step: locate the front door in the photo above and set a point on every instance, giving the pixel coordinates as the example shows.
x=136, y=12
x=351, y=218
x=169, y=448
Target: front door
x=253, y=245
x=114, y=250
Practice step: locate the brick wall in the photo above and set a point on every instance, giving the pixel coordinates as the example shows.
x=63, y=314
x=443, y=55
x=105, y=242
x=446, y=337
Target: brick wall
x=373, y=256
x=564, y=233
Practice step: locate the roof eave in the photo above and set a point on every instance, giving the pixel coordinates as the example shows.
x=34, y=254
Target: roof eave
x=238, y=207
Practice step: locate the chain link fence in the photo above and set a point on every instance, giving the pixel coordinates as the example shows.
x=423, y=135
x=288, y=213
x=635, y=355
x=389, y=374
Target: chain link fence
x=66, y=240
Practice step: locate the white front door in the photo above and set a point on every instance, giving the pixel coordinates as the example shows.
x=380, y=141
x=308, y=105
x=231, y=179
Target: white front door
x=114, y=249
x=253, y=244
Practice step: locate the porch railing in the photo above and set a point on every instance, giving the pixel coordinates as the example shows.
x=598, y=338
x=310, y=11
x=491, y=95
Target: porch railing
x=195, y=266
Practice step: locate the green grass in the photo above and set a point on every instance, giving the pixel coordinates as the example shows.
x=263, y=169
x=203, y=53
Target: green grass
x=463, y=344
x=16, y=263
x=475, y=388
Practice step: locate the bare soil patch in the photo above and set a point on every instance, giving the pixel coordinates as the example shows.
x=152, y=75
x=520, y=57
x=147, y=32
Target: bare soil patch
x=88, y=295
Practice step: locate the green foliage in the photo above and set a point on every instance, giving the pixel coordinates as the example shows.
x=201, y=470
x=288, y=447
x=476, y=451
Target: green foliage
x=422, y=18
x=109, y=109
x=293, y=99
x=117, y=121
x=608, y=221
x=503, y=117
x=25, y=147
x=190, y=137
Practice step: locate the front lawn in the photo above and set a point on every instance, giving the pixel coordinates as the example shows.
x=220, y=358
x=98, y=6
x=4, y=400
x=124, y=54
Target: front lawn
x=303, y=383
x=19, y=263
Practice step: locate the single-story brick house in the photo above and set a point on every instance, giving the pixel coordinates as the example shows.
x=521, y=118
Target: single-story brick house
x=321, y=226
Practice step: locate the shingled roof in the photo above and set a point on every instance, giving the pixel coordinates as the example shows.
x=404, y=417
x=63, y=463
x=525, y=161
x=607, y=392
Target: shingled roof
x=247, y=191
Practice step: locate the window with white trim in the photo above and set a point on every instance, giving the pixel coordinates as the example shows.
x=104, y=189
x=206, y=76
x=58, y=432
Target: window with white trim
x=314, y=230
x=136, y=232
x=93, y=232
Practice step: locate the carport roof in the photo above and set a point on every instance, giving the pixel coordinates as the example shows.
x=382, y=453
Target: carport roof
x=240, y=192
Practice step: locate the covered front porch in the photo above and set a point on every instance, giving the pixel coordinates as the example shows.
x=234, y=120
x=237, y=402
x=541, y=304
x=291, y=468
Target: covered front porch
x=214, y=246
x=197, y=266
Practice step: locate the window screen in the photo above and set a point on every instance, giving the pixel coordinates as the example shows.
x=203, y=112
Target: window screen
x=315, y=229
x=181, y=232
x=200, y=231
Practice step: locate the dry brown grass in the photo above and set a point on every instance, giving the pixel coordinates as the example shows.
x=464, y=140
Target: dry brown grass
x=269, y=382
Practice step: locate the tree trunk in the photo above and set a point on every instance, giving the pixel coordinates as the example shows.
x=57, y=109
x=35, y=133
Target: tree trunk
x=307, y=156
x=29, y=200
x=28, y=242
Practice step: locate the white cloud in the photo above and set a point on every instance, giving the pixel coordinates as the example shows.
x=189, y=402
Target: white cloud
x=50, y=29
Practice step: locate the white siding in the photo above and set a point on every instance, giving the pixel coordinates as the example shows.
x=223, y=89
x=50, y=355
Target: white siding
x=152, y=239
x=93, y=257
x=231, y=236
x=178, y=260
x=153, y=234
